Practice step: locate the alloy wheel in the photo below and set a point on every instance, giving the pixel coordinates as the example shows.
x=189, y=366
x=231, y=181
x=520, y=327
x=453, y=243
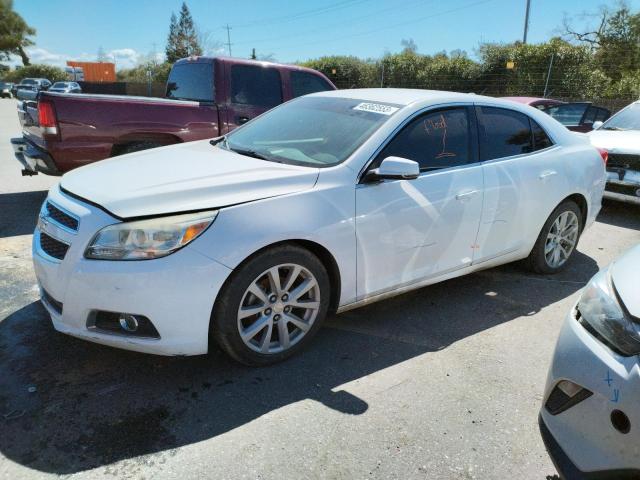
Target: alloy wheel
x=278, y=308
x=561, y=239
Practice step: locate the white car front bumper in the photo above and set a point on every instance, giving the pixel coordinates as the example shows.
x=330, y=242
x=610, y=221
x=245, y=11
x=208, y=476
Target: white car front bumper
x=582, y=440
x=176, y=293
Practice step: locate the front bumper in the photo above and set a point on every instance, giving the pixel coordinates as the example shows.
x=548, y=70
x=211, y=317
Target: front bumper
x=32, y=158
x=582, y=440
x=176, y=292
x=623, y=186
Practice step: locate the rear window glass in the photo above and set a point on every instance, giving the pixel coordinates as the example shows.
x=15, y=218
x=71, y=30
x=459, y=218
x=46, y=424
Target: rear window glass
x=506, y=133
x=191, y=81
x=303, y=83
x=257, y=86
x=569, y=114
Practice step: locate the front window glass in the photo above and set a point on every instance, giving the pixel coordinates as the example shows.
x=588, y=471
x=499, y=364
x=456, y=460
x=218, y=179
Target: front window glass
x=626, y=119
x=303, y=83
x=191, y=81
x=257, y=86
x=310, y=131
x=59, y=85
x=28, y=81
x=435, y=140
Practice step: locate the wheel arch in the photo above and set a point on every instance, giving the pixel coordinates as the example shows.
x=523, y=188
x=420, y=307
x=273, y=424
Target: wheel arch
x=581, y=201
x=121, y=143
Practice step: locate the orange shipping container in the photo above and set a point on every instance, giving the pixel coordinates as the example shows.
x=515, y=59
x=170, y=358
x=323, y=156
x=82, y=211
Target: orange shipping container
x=103, y=72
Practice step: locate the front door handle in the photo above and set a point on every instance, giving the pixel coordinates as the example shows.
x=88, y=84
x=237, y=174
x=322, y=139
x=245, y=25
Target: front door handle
x=466, y=195
x=546, y=174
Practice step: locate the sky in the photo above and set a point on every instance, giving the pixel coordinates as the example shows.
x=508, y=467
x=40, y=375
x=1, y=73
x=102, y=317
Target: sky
x=287, y=31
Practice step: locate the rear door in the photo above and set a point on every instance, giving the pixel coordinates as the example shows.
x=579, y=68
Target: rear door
x=522, y=180
x=252, y=91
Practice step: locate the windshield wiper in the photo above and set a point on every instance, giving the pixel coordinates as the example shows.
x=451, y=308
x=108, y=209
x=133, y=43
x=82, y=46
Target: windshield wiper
x=217, y=140
x=614, y=128
x=249, y=153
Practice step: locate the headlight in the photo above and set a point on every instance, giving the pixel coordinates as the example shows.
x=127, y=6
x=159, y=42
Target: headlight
x=147, y=239
x=601, y=310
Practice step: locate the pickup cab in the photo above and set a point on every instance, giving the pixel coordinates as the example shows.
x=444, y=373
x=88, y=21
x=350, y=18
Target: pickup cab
x=205, y=97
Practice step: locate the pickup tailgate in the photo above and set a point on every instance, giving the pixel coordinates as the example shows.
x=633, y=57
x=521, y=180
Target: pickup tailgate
x=28, y=117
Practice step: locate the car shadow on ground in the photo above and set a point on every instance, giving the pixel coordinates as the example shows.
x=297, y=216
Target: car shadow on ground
x=619, y=214
x=19, y=212
x=67, y=405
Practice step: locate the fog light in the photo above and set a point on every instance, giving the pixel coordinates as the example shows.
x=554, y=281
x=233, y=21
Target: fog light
x=128, y=322
x=565, y=395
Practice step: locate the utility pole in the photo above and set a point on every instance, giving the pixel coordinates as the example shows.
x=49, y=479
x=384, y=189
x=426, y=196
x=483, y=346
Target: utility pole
x=526, y=22
x=546, y=83
x=228, y=38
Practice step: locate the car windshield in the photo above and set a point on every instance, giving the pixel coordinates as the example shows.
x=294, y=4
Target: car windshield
x=626, y=119
x=59, y=85
x=311, y=131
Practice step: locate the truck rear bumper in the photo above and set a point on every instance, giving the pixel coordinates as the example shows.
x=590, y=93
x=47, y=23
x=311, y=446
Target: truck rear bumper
x=33, y=159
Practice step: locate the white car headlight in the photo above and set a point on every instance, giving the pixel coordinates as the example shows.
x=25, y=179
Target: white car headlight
x=147, y=239
x=600, y=308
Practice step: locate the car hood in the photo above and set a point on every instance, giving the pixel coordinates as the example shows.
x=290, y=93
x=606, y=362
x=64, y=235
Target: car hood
x=181, y=178
x=616, y=141
x=625, y=273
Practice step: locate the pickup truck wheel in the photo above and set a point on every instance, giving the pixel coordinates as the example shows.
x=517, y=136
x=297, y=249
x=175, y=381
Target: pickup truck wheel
x=137, y=147
x=271, y=306
x=557, y=240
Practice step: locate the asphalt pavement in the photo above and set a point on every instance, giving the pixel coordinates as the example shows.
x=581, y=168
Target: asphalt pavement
x=440, y=383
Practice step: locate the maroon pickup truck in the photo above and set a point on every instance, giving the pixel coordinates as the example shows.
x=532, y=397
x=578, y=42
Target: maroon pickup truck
x=205, y=97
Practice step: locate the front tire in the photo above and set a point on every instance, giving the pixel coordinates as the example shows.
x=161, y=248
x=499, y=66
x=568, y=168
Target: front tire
x=271, y=306
x=557, y=240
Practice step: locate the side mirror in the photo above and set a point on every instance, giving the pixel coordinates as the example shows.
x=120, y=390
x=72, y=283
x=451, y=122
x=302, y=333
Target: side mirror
x=597, y=125
x=394, y=168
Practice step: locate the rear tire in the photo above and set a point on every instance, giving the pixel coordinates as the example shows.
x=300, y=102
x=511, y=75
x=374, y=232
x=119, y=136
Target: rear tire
x=557, y=240
x=272, y=306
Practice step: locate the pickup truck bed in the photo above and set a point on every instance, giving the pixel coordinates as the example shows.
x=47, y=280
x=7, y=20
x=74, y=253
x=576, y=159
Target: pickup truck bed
x=207, y=97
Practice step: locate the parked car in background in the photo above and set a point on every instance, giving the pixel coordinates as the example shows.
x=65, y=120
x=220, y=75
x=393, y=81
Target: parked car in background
x=205, y=97
x=251, y=238
x=620, y=136
x=65, y=87
x=591, y=408
x=5, y=89
x=29, y=88
x=576, y=116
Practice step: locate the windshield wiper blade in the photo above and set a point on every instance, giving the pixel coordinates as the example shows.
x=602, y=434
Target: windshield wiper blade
x=614, y=128
x=249, y=153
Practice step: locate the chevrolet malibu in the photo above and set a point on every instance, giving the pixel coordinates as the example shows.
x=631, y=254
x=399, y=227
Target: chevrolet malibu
x=323, y=204
x=589, y=421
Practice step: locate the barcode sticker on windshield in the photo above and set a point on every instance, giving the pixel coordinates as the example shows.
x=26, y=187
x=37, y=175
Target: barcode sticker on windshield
x=376, y=108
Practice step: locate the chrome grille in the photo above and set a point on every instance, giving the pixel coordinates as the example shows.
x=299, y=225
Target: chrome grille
x=52, y=247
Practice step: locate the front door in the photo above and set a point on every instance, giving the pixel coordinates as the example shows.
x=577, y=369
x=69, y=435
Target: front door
x=410, y=230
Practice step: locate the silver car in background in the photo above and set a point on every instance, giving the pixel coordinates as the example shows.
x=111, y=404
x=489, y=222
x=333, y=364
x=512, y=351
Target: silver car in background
x=591, y=413
x=620, y=136
x=65, y=87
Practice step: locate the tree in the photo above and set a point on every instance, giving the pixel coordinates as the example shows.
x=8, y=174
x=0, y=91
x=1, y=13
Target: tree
x=14, y=33
x=183, y=36
x=409, y=45
x=49, y=72
x=614, y=40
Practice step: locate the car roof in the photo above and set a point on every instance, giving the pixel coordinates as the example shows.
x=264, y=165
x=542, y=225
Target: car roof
x=408, y=96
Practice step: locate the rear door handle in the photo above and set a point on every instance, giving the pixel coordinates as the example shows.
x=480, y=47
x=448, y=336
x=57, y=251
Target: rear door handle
x=547, y=174
x=466, y=195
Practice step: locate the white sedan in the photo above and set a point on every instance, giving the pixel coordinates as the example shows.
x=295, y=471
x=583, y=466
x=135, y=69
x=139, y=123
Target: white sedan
x=589, y=421
x=326, y=203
